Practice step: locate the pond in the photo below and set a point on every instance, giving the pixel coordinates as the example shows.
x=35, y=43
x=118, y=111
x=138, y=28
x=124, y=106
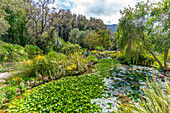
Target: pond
x=125, y=82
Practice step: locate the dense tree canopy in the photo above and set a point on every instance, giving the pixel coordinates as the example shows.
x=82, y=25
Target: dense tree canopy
x=145, y=28
x=8, y=8
x=37, y=22
x=101, y=38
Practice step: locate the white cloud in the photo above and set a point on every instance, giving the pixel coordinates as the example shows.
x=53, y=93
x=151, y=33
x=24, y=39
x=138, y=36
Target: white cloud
x=67, y=4
x=107, y=10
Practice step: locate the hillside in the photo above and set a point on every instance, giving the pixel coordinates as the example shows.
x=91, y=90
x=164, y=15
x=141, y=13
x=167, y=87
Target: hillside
x=113, y=27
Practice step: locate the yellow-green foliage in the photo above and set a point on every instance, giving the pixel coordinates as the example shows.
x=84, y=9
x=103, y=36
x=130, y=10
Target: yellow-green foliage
x=51, y=66
x=53, y=55
x=144, y=59
x=109, y=52
x=92, y=59
x=70, y=48
x=94, y=52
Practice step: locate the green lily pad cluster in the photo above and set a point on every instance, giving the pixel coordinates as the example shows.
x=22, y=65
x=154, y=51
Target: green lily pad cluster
x=69, y=94
x=129, y=81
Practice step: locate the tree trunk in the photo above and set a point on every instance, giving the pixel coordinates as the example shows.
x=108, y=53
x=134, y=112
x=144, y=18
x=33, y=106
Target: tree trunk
x=165, y=59
x=151, y=52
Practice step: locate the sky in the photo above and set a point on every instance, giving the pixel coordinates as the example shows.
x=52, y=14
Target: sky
x=107, y=10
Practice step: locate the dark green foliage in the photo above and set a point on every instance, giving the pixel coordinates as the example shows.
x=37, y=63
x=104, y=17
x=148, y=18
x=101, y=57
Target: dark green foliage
x=70, y=48
x=16, y=34
x=80, y=22
x=59, y=43
x=12, y=52
x=33, y=51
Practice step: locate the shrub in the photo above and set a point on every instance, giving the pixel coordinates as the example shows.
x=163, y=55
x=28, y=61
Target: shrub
x=144, y=59
x=59, y=43
x=12, y=52
x=94, y=52
x=121, y=57
x=100, y=48
x=33, y=50
x=70, y=48
x=92, y=59
x=53, y=55
x=52, y=66
x=77, y=59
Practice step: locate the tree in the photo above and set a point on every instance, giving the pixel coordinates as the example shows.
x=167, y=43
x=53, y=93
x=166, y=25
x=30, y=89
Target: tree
x=76, y=36
x=42, y=22
x=91, y=40
x=17, y=32
x=6, y=6
x=101, y=38
x=145, y=28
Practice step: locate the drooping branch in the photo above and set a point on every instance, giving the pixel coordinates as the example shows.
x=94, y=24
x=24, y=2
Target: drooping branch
x=150, y=51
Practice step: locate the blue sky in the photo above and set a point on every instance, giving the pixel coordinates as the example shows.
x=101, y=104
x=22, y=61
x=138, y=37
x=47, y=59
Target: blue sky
x=107, y=10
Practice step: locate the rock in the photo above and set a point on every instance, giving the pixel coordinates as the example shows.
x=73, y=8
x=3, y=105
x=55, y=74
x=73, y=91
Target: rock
x=2, y=81
x=28, y=87
x=37, y=83
x=18, y=93
x=28, y=83
x=32, y=83
x=4, y=100
x=21, y=83
x=45, y=78
x=4, y=75
x=53, y=77
x=18, y=89
x=39, y=77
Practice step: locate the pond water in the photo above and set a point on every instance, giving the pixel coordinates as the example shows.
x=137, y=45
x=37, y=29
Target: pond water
x=125, y=82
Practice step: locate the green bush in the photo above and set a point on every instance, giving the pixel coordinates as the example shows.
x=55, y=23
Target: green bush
x=32, y=51
x=144, y=59
x=94, y=52
x=12, y=52
x=70, y=48
x=100, y=48
x=78, y=61
x=59, y=43
x=92, y=59
x=168, y=57
x=51, y=65
x=53, y=55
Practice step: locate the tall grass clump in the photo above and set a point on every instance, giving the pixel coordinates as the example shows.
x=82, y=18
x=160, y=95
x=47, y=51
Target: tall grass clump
x=155, y=100
x=53, y=64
